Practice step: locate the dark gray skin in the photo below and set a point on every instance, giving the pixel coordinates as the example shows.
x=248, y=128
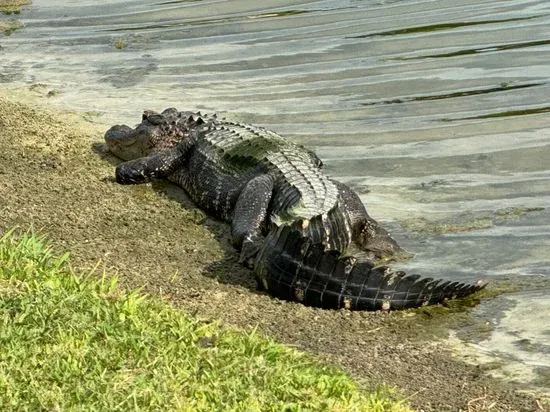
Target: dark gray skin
x=294, y=226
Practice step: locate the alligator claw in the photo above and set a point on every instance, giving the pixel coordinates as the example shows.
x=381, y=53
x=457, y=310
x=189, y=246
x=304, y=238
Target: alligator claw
x=125, y=174
x=248, y=254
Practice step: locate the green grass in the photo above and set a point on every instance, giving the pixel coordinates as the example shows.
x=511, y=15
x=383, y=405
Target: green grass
x=70, y=342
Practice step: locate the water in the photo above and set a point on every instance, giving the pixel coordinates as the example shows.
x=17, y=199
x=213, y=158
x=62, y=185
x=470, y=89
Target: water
x=437, y=113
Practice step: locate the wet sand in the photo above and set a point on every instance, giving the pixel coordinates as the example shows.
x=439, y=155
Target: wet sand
x=56, y=177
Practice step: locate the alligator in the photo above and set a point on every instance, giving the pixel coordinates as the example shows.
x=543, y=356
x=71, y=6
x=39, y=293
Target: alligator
x=306, y=237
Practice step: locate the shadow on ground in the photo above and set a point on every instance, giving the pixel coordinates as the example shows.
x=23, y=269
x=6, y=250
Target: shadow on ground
x=226, y=270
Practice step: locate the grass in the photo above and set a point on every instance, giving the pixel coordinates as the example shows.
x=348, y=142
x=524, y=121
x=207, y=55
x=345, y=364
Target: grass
x=70, y=342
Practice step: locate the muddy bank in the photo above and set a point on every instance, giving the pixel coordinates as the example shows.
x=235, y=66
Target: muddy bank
x=55, y=176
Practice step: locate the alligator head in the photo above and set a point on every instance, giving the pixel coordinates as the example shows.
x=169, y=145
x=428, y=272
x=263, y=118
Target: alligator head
x=156, y=132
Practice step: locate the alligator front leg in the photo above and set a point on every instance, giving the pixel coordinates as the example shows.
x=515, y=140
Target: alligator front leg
x=156, y=165
x=249, y=217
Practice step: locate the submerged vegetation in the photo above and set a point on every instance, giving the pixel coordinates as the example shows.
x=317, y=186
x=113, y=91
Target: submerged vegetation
x=467, y=222
x=12, y=6
x=81, y=342
x=8, y=26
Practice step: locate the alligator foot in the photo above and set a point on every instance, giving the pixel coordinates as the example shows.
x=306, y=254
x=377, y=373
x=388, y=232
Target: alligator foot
x=378, y=243
x=249, y=250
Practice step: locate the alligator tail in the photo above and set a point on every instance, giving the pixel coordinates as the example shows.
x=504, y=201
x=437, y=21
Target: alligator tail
x=291, y=267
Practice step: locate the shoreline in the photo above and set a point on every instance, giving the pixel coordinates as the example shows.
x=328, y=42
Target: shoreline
x=55, y=173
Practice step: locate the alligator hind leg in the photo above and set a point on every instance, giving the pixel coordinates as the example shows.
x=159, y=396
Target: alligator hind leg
x=368, y=235
x=156, y=165
x=315, y=160
x=250, y=216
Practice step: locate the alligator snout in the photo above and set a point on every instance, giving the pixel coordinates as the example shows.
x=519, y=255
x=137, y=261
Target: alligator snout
x=118, y=134
x=125, y=142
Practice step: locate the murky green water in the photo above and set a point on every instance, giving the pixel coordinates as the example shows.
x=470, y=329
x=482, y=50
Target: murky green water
x=436, y=112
